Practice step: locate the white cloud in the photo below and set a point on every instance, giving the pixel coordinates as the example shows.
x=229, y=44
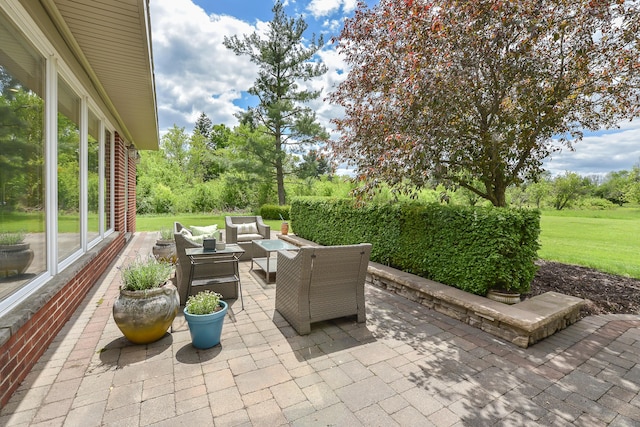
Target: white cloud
x=194, y=71
x=603, y=152
x=320, y=8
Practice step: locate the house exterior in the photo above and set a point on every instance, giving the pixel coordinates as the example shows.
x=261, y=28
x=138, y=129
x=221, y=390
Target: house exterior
x=77, y=102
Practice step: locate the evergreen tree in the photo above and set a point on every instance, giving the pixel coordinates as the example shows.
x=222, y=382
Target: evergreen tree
x=284, y=63
x=203, y=126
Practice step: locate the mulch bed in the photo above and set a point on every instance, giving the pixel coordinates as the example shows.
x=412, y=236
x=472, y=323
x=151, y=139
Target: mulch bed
x=606, y=293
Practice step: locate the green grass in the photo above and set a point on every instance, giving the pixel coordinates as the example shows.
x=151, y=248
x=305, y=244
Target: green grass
x=606, y=240
x=157, y=223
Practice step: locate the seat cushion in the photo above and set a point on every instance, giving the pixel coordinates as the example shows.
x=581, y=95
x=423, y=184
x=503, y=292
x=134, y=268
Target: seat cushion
x=247, y=228
x=249, y=237
x=208, y=231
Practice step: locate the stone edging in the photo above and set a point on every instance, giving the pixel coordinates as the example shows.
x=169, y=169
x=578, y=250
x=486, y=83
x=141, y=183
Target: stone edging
x=523, y=324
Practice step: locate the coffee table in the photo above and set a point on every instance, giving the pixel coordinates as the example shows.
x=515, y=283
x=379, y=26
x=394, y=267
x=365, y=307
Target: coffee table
x=269, y=264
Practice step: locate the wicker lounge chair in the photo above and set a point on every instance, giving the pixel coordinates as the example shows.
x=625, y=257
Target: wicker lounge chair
x=243, y=230
x=320, y=283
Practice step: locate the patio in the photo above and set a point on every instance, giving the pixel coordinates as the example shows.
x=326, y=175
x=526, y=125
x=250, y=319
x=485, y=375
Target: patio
x=407, y=365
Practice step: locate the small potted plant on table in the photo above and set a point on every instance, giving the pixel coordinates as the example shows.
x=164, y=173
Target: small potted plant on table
x=147, y=303
x=205, y=314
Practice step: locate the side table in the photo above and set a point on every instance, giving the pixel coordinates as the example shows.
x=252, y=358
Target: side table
x=269, y=264
x=229, y=255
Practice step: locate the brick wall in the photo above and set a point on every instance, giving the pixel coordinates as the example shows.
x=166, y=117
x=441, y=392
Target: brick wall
x=37, y=321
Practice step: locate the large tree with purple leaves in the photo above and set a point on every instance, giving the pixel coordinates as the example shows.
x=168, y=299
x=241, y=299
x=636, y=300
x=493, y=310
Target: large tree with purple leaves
x=474, y=93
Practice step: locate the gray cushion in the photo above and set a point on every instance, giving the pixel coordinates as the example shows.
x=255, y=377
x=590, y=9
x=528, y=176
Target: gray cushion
x=249, y=237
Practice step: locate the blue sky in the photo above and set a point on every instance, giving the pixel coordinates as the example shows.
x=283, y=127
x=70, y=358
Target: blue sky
x=195, y=73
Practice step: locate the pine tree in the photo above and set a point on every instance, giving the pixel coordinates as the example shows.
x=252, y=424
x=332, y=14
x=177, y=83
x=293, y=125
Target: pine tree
x=284, y=64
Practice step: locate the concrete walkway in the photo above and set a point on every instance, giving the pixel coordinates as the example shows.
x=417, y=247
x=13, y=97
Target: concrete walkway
x=407, y=366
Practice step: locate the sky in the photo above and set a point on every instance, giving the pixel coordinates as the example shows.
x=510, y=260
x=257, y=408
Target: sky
x=195, y=73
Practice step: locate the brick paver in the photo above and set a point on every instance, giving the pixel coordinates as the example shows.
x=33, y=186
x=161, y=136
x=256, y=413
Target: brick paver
x=406, y=366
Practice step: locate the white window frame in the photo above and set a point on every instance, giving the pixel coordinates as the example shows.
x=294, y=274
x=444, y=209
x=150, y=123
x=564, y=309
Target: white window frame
x=54, y=68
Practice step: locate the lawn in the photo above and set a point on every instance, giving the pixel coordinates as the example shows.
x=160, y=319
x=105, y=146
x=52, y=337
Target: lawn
x=607, y=240
x=157, y=223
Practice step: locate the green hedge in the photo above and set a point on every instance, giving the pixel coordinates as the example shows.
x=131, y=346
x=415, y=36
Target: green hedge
x=474, y=249
x=275, y=211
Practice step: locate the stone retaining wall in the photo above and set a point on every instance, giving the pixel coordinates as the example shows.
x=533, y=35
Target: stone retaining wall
x=523, y=324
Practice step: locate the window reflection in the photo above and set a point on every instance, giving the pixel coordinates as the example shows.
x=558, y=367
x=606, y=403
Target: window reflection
x=93, y=186
x=68, y=171
x=22, y=202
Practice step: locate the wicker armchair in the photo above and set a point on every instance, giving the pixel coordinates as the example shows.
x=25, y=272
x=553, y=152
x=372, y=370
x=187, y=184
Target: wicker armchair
x=321, y=283
x=233, y=232
x=183, y=267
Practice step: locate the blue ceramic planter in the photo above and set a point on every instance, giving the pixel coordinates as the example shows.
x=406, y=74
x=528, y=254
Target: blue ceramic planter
x=206, y=329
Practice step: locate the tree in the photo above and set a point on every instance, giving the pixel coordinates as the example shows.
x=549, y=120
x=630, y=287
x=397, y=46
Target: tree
x=457, y=91
x=313, y=165
x=284, y=63
x=175, y=144
x=540, y=189
x=634, y=184
x=206, y=155
x=203, y=125
x=566, y=188
x=615, y=187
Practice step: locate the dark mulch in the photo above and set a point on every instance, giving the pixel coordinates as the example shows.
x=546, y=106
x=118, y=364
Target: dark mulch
x=607, y=293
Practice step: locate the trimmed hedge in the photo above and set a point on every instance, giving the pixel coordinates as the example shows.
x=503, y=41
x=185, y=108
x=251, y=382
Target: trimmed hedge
x=275, y=211
x=474, y=249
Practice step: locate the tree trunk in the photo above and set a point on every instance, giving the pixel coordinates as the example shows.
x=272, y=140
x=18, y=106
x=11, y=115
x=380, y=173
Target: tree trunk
x=282, y=197
x=497, y=195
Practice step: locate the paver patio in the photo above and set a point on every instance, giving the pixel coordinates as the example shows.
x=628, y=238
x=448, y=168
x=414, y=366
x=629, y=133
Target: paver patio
x=406, y=366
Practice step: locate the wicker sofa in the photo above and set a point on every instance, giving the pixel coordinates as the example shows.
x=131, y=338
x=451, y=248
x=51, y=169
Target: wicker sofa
x=320, y=283
x=243, y=230
x=183, y=267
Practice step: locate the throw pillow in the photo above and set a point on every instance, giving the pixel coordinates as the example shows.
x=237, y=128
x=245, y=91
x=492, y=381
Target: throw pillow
x=248, y=228
x=208, y=230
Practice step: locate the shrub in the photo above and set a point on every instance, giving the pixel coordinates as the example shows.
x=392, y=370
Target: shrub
x=474, y=249
x=275, y=212
x=205, y=197
x=162, y=199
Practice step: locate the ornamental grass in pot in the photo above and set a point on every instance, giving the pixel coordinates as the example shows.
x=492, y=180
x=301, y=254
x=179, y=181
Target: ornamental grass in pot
x=15, y=255
x=148, y=302
x=205, y=314
x=165, y=247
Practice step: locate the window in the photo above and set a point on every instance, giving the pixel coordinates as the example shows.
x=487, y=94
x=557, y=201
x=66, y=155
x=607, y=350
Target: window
x=108, y=184
x=22, y=165
x=68, y=171
x=56, y=188
x=93, y=177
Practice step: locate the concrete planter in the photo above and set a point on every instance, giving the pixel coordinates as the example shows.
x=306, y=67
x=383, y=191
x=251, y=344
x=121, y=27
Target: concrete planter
x=144, y=316
x=15, y=259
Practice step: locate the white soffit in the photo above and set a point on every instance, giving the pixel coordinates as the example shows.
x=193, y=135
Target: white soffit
x=113, y=38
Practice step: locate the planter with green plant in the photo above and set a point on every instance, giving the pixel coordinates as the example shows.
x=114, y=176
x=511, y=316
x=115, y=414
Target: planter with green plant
x=165, y=247
x=205, y=314
x=147, y=303
x=15, y=255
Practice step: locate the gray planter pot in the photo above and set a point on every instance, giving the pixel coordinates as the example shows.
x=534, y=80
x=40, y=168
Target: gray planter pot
x=15, y=259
